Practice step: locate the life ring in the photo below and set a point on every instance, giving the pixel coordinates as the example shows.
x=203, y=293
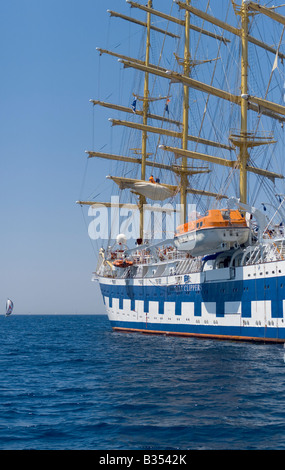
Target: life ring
x=119, y=263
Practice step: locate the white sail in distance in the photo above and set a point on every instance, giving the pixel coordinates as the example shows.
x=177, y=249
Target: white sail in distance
x=9, y=307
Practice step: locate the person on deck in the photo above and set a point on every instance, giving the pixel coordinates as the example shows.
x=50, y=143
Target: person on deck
x=151, y=179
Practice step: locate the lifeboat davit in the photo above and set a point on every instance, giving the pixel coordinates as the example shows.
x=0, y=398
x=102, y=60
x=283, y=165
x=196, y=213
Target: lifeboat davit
x=217, y=230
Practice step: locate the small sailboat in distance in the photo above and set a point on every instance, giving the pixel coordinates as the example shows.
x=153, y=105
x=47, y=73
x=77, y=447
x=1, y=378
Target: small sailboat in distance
x=9, y=307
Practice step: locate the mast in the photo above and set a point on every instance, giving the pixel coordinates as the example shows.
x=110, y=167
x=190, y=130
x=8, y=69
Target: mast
x=142, y=200
x=243, y=155
x=241, y=139
x=231, y=29
x=184, y=180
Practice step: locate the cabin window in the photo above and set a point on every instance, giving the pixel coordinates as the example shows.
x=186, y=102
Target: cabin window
x=226, y=215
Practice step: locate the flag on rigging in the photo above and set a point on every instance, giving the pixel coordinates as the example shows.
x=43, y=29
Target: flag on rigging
x=134, y=104
x=275, y=64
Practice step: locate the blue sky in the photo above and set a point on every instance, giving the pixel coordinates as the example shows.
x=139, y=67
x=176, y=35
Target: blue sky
x=50, y=69
x=48, y=74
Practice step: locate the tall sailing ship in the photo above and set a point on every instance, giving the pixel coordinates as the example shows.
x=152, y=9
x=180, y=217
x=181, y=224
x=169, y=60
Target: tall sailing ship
x=216, y=171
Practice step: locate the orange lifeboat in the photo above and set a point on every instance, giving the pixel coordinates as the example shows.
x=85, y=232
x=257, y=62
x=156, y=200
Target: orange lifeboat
x=217, y=230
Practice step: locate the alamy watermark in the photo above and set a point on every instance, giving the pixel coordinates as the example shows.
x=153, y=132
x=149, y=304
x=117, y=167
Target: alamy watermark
x=160, y=221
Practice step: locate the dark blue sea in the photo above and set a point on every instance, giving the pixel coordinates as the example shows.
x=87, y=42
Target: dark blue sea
x=71, y=383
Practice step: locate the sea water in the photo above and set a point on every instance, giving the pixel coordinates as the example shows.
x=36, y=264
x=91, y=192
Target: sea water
x=70, y=382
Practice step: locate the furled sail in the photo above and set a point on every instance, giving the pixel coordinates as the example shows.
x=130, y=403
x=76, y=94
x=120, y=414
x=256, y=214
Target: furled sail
x=9, y=307
x=154, y=191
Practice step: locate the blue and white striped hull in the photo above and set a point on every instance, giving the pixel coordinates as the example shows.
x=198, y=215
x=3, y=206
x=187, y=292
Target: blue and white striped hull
x=243, y=303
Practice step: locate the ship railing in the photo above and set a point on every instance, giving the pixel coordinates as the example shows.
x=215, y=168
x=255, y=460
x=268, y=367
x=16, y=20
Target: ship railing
x=265, y=253
x=236, y=135
x=276, y=249
x=189, y=265
x=142, y=258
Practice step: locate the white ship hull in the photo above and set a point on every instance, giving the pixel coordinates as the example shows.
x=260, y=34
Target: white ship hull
x=243, y=303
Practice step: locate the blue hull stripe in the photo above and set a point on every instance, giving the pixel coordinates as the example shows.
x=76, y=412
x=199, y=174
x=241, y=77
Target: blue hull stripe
x=265, y=293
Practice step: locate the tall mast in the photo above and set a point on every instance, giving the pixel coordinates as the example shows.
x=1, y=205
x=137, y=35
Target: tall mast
x=146, y=94
x=145, y=116
x=243, y=155
x=184, y=180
